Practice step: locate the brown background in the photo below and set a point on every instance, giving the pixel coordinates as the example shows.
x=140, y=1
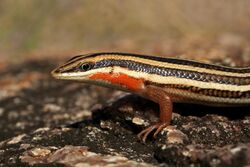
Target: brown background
x=31, y=28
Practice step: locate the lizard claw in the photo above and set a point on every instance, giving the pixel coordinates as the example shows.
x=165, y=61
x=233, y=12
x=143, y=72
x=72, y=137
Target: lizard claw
x=158, y=127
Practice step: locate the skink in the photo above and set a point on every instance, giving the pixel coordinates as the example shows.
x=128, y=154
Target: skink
x=162, y=80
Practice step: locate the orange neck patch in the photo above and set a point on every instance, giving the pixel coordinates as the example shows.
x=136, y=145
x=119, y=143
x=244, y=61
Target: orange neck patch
x=120, y=79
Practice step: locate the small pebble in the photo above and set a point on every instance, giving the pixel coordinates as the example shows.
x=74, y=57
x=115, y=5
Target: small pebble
x=138, y=121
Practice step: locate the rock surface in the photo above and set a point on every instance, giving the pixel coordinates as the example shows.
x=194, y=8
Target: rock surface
x=45, y=122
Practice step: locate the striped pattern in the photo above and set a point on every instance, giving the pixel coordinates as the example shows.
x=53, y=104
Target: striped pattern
x=165, y=71
x=183, y=79
x=161, y=62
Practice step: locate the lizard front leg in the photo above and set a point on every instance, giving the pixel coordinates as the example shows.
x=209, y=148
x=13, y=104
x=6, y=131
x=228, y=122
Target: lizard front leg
x=159, y=96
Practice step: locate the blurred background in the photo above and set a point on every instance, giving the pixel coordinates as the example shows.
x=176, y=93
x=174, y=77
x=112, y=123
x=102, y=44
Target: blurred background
x=62, y=28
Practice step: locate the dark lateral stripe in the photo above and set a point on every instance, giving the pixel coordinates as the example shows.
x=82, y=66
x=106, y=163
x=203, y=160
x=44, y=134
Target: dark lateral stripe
x=168, y=60
x=193, y=75
x=72, y=61
x=75, y=58
x=210, y=92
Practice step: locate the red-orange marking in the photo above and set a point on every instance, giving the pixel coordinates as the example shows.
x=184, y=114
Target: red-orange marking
x=120, y=79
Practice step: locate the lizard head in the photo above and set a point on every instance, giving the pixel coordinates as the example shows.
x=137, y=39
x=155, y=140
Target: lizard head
x=106, y=69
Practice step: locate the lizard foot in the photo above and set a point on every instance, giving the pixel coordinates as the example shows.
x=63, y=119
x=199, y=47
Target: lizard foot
x=158, y=127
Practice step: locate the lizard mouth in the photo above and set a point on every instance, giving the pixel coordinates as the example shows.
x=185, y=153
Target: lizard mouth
x=56, y=72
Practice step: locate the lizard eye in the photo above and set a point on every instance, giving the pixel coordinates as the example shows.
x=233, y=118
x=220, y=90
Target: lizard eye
x=85, y=67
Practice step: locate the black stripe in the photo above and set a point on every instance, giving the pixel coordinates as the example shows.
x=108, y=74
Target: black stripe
x=193, y=75
x=75, y=58
x=169, y=60
x=214, y=92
